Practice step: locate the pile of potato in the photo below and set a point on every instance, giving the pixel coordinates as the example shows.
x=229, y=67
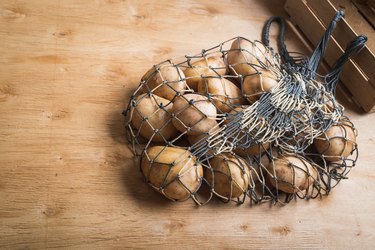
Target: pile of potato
x=179, y=105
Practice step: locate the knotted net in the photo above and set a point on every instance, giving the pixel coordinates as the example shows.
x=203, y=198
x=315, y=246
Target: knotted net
x=240, y=121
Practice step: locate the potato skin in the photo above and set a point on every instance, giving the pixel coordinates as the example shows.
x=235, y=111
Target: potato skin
x=192, y=139
x=202, y=68
x=255, y=85
x=291, y=167
x=253, y=150
x=256, y=174
x=225, y=94
x=333, y=145
x=172, y=74
x=173, y=171
x=200, y=116
x=243, y=53
x=224, y=166
x=147, y=106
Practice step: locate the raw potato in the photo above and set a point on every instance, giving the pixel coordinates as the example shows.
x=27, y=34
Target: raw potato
x=202, y=68
x=165, y=82
x=255, y=85
x=255, y=168
x=231, y=175
x=157, y=118
x=243, y=53
x=253, y=150
x=225, y=94
x=338, y=141
x=192, y=139
x=174, y=171
x=200, y=116
x=289, y=169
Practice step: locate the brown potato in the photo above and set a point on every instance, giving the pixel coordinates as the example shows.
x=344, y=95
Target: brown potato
x=202, y=68
x=337, y=142
x=225, y=94
x=256, y=174
x=165, y=82
x=195, y=114
x=192, y=139
x=230, y=176
x=172, y=171
x=255, y=85
x=260, y=169
x=253, y=150
x=289, y=169
x=157, y=118
x=244, y=56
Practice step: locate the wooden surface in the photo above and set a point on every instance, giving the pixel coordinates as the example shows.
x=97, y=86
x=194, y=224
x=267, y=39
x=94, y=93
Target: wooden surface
x=360, y=71
x=67, y=177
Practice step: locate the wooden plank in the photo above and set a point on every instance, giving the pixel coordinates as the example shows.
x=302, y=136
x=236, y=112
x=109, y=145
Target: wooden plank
x=367, y=9
x=67, y=177
x=355, y=20
x=344, y=33
x=342, y=92
x=362, y=90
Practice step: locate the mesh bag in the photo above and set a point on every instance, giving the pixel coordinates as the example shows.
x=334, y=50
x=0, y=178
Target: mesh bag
x=240, y=121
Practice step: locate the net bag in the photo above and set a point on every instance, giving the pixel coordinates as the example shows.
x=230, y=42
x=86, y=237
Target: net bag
x=239, y=121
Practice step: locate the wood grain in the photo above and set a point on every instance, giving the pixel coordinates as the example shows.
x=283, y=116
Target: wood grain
x=67, y=176
x=359, y=85
x=344, y=33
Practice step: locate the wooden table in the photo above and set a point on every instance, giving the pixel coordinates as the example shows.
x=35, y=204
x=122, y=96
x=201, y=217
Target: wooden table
x=67, y=176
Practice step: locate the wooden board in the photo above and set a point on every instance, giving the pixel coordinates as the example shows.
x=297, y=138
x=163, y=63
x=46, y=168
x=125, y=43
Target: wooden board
x=367, y=9
x=361, y=88
x=67, y=177
x=344, y=33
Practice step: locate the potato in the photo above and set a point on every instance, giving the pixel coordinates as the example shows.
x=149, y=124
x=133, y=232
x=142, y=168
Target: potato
x=289, y=169
x=255, y=168
x=165, y=82
x=230, y=176
x=255, y=85
x=210, y=66
x=157, y=118
x=195, y=114
x=192, y=139
x=253, y=150
x=255, y=165
x=172, y=171
x=224, y=93
x=244, y=56
x=337, y=142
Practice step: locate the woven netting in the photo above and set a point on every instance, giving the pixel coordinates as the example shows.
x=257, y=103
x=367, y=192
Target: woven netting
x=240, y=121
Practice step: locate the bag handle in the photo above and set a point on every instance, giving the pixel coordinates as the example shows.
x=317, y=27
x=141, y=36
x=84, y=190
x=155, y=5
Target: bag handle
x=320, y=49
x=286, y=58
x=352, y=47
x=309, y=67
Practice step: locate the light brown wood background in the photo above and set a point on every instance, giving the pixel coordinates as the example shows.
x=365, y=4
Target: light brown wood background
x=67, y=177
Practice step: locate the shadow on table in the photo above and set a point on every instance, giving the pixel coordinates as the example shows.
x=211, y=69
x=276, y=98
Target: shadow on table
x=136, y=188
x=121, y=157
